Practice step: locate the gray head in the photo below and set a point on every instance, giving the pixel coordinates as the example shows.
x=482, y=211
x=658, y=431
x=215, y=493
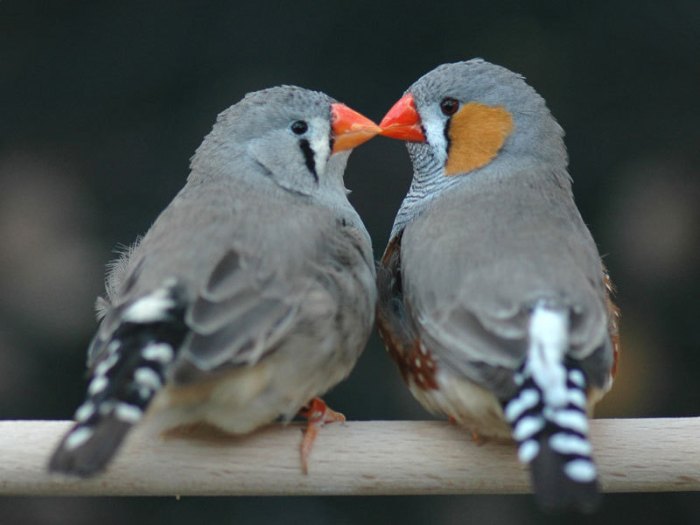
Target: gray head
x=300, y=139
x=473, y=121
x=470, y=115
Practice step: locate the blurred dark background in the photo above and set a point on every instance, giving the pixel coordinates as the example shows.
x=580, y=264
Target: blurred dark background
x=103, y=103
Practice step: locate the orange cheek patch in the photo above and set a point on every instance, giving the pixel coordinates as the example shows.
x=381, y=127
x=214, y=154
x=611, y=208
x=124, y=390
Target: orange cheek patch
x=477, y=132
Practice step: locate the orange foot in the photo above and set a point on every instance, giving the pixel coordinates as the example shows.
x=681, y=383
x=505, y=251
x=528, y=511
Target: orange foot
x=318, y=414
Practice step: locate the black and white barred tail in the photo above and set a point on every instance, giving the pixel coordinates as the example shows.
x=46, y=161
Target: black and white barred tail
x=128, y=373
x=549, y=420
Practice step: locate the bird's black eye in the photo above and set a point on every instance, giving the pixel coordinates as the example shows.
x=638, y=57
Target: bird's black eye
x=449, y=106
x=299, y=127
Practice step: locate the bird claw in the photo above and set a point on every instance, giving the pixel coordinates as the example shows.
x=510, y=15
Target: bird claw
x=317, y=414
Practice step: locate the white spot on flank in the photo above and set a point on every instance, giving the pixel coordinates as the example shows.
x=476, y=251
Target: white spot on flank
x=113, y=346
x=527, y=427
x=147, y=378
x=149, y=308
x=527, y=399
x=161, y=352
x=568, y=444
x=128, y=413
x=528, y=451
x=572, y=419
x=320, y=159
x=417, y=362
x=97, y=385
x=580, y=470
x=84, y=411
x=319, y=144
x=549, y=340
x=577, y=378
x=76, y=438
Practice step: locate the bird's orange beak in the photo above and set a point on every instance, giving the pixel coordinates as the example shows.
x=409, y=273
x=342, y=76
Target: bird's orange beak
x=350, y=128
x=403, y=121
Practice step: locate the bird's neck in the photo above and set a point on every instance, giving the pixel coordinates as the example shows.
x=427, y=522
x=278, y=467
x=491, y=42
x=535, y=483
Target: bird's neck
x=422, y=191
x=430, y=181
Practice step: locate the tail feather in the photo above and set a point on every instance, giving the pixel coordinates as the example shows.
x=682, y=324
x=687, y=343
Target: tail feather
x=125, y=378
x=87, y=448
x=549, y=421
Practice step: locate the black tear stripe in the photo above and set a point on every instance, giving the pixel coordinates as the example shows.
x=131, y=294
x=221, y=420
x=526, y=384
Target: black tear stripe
x=309, y=157
x=447, y=134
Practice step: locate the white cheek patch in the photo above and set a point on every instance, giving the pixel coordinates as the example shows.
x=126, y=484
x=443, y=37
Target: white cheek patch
x=320, y=144
x=434, y=127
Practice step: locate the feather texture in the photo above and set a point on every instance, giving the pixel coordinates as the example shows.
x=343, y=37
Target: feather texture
x=252, y=292
x=492, y=277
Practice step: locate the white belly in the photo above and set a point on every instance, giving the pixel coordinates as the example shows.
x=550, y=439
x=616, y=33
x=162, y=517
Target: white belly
x=469, y=404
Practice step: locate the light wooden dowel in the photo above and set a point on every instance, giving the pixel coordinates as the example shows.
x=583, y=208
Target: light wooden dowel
x=358, y=458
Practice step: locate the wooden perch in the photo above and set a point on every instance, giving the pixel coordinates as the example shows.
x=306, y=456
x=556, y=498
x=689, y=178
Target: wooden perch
x=358, y=458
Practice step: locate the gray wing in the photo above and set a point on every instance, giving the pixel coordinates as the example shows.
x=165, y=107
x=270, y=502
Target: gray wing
x=245, y=313
x=475, y=263
x=249, y=281
x=239, y=316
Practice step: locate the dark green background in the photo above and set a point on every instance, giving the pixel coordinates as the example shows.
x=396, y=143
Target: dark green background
x=103, y=103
